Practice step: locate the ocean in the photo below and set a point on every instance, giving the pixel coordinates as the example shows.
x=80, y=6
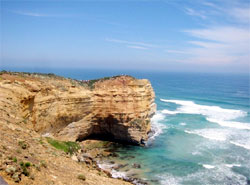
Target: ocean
x=201, y=129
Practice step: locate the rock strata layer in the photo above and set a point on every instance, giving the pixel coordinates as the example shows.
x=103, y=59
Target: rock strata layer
x=118, y=108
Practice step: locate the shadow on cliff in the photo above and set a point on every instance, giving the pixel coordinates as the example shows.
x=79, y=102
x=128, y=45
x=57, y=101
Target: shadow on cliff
x=110, y=129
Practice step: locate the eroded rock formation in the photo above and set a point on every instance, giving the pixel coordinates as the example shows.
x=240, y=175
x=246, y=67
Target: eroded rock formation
x=119, y=107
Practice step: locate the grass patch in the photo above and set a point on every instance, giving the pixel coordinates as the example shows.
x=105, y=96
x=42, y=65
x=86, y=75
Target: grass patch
x=68, y=147
x=24, y=167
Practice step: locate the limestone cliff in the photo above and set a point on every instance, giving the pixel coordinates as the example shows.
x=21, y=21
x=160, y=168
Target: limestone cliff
x=119, y=107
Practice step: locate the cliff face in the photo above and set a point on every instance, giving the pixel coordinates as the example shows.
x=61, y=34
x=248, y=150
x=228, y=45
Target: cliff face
x=123, y=107
x=119, y=108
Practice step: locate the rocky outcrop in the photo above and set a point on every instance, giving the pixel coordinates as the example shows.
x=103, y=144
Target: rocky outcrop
x=122, y=108
x=119, y=108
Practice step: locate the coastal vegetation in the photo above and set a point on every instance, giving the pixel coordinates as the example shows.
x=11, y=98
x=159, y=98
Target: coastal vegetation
x=81, y=177
x=85, y=83
x=68, y=147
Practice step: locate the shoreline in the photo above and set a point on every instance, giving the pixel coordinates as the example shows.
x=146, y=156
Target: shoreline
x=99, y=153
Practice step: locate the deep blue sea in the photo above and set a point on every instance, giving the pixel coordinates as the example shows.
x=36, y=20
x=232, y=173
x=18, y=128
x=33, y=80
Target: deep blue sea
x=202, y=128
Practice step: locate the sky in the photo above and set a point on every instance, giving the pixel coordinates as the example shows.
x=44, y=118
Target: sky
x=158, y=35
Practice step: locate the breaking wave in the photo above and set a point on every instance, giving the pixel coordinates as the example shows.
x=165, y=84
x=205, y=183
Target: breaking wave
x=208, y=166
x=156, y=127
x=212, y=134
x=243, y=145
x=213, y=114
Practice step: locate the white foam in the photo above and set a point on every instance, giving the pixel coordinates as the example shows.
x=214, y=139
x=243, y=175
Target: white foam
x=243, y=145
x=208, y=166
x=212, y=113
x=157, y=117
x=183, y=124
x=232, y=124
x=105, y=166
x=196, y=153
x=165, y=111
x=232, y=165
x=168, y=179
x=109, y=167
x=218, y=175
x=189, y=132
x=156, y=127
x=116, y=174
x=213, y=134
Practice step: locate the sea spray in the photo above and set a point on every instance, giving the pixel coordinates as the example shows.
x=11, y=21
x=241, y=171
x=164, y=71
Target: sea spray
x=156, y=127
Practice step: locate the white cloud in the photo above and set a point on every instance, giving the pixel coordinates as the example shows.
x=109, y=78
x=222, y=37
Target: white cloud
x=235, y=11
x=241, y=14
x=193, y=12
x=209, y=4
x=36, y=14
x=220, y=45
x=33, y=14
x=226, y=37
x=177, y=51
x=84, y=16
x=132, y=43
x=226, y=34
x=208, y=44
x=137, y=47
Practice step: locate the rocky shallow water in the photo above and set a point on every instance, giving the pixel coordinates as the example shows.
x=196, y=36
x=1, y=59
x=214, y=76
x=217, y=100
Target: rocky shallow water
x=122, y=166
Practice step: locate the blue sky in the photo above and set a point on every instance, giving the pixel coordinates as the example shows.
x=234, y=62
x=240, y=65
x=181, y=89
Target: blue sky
x=166, y=35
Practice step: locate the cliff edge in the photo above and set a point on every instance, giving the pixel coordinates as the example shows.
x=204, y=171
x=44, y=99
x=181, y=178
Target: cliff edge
x=118, y=108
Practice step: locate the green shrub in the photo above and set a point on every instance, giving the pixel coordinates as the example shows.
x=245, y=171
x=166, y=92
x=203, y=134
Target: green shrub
x=27, y=164
x=14, y=159
x=23, y=145
x=66, y=146
x=21, y=163
x=81, y=177
x=24, y=167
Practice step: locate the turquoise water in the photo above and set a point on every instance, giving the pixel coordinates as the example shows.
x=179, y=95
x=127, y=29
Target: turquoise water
x=202, y=129
x=204, y=125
